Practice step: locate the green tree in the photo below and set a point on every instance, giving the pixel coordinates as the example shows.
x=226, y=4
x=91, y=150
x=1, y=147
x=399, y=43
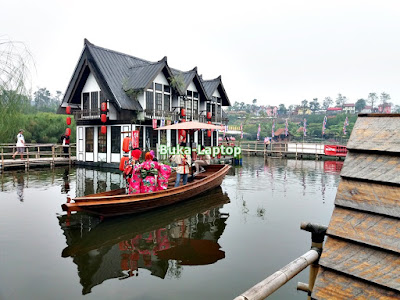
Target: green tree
x=341, y=100
x=304, y=106
x=360, y=104
x=314, y=105
x=327, y=103
x=385, y=98
x=282, y=109
x=372, y=98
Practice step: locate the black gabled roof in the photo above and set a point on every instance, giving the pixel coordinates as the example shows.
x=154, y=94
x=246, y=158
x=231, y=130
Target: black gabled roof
x=115, y=67
x=190, y=76
x=141, y=76
x=216, y=84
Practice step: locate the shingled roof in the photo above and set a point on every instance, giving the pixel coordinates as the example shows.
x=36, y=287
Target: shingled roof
x=190, y=76
x=216, y=84
x=361, y=255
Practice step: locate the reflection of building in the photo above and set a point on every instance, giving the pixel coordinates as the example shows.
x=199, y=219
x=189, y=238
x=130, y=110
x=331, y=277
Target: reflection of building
x=160, y=241
x=91, y=181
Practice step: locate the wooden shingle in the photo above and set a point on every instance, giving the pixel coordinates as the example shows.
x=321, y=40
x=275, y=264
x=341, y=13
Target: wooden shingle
x=361, y=255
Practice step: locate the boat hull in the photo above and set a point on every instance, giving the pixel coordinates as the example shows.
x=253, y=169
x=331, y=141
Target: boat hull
x=113, y=203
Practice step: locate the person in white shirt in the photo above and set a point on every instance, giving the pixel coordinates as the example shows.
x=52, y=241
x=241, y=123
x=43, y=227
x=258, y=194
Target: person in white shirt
x=203, y=160
x=20, y=145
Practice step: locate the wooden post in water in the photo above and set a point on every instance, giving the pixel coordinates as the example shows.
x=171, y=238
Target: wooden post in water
x=27, y=158
x=69, y=154
x=52, y=153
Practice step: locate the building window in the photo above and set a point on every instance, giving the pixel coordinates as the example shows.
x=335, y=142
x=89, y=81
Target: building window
x=167, y=89
x=158, y=102
x=149, y=101
x=189, y=94
x=94, y=101
x=158, y=87
x=173, y=137
x=89, y=134
x=196, y=109
x=102, y=142
x=85, y=99
x=115, y=139
x=196, y=95
x=167, y=102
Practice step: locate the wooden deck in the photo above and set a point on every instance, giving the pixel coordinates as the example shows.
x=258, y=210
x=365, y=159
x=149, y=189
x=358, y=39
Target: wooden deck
x=35, y=155
x=295, y=150
x=361, y=256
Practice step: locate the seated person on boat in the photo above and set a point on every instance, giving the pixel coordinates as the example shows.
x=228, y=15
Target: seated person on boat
x=203, y=160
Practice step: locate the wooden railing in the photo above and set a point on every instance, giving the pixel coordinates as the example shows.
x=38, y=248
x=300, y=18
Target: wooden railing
x=87, y=114
x=34, y=152
x=161, y=114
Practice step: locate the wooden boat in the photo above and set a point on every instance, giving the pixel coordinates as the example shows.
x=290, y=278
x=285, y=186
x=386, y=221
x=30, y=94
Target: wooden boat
x=117, y=202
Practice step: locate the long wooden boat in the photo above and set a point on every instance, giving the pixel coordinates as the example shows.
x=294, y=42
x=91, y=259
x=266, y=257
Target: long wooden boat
x=117, y=202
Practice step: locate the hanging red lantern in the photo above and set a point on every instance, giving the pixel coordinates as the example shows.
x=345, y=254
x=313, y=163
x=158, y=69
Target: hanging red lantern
x=103, y=106
x=209, y=115
x=183, y=120
x=124, y=160
x=209, y=122
x=68, y=110
x=126, y=144
x=209, y=133
x=68, y=131
x=103, y=118
x=183, y=112
x=68, y=120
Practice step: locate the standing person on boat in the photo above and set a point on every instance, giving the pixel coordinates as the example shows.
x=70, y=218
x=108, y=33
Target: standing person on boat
x=133, y=178
x=203, y=160
x=182, y=170
x=20, y=144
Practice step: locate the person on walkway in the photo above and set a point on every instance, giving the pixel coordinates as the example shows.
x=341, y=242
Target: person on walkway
x=183, y=162
x=20, y=144
x=65, y=142
x=203, y=160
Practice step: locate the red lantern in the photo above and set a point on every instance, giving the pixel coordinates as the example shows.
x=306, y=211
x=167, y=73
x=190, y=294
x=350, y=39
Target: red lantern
x=103, y=129
x=126, y=144
x=209, y=122
x=103, y=118
x=209, y=115
x=209, y=133
x=122, y=162
x=68, y=132
x=68, y=110
x=183, y=120
x=68, y=120
x=103, y=106
x=183, y=112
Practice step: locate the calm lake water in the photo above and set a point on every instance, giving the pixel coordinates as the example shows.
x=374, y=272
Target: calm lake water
x=215, y=247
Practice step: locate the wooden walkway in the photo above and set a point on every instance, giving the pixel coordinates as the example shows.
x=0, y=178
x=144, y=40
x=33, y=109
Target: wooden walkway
x=296, y=150
x=35, y=155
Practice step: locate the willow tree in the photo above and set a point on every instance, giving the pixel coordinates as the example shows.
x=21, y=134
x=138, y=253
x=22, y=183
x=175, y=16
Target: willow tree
x=14, y=92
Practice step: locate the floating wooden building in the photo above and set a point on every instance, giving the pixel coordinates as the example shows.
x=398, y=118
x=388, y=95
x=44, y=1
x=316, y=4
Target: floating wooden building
x=361, y=255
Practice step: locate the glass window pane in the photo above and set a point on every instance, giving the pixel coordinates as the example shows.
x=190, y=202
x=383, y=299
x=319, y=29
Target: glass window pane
x=167, y=106
x=102, y=142
x=149, y=101
x=85, y=97
x=158, y=87
x=89, y=134
x=116, y=139
x=167, y=89
x=195, y=95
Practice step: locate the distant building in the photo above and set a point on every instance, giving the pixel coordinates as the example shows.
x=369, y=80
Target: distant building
x=304, y=111
x=280, y=135
x=334, y=110
x=349, y=108
x=385, y=108
x=366, y=110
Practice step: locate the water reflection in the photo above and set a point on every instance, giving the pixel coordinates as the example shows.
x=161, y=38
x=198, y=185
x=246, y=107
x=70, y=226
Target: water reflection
x=161, y=241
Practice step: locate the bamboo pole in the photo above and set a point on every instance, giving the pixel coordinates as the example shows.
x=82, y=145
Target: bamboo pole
x=270, y=284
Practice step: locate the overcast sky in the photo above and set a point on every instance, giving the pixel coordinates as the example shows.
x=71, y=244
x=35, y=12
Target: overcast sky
x=272, y=51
